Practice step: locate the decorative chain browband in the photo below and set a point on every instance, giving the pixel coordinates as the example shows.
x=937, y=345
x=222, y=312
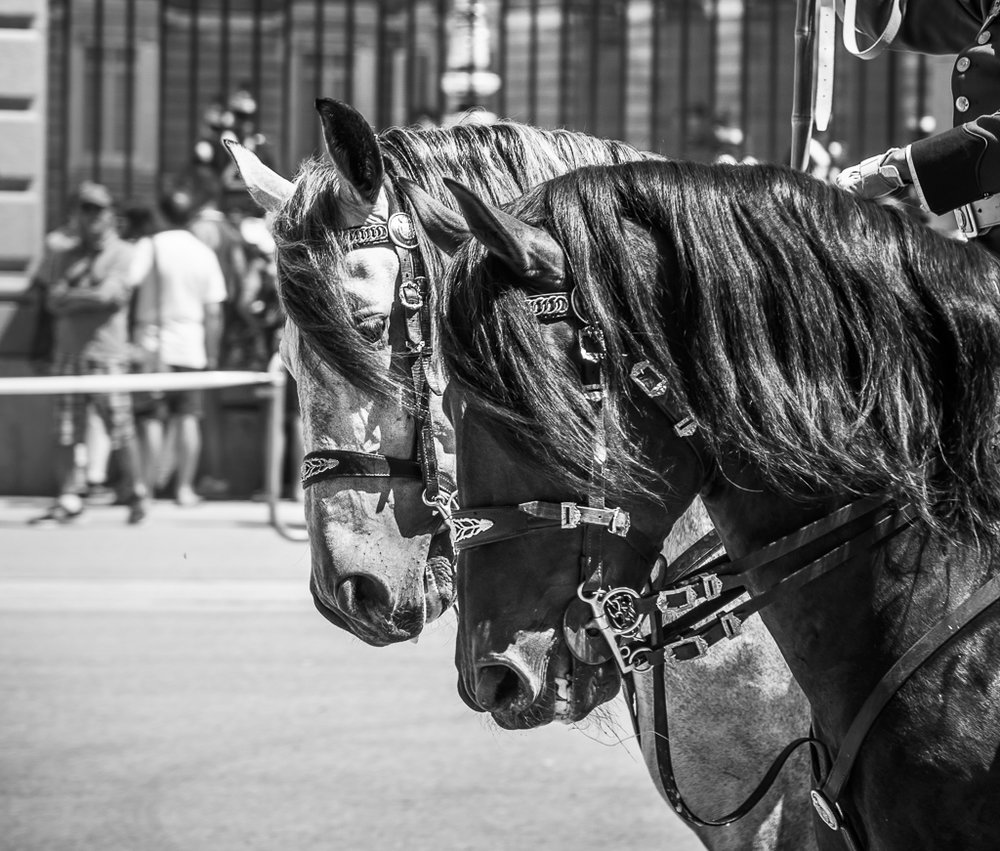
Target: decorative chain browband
x=397, y=231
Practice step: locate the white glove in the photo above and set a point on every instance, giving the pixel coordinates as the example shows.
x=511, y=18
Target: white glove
x=876, y=176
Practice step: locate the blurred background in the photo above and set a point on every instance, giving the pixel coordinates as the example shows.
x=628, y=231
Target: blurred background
x=134, y=94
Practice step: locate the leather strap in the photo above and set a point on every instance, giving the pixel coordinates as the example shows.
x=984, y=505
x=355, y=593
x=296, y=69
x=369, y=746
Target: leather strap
x=977, y=217
x=344, y=464
x=882, y=41
x=925, y=647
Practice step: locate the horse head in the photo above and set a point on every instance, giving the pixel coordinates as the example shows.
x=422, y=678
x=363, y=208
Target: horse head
x=532, y=545
x=381, y=554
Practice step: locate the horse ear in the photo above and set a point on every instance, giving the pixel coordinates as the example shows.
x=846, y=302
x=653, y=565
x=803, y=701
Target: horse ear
x=266, y=187
x=446, y=228
x=352, y=146
x=530, y=252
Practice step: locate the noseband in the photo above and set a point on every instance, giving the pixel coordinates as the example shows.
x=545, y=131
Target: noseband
x=414, y=302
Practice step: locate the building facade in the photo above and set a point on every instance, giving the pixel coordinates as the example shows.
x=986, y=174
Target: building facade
x=121, y=91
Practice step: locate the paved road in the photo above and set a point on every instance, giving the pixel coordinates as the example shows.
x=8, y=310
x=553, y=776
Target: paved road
x=170, y=688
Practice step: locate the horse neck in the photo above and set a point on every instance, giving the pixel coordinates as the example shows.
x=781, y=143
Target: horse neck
x=832, y=632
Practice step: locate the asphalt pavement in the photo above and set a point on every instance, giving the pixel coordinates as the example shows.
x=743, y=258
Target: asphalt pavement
x=169, y=687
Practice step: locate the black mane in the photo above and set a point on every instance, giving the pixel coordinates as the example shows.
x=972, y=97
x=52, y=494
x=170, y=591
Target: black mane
x=842, y=346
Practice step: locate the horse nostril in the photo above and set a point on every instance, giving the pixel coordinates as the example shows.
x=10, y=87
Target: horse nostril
x=502, y=687
x=359, y=593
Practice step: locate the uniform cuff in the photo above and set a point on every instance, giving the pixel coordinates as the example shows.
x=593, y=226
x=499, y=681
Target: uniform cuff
x=945, y=169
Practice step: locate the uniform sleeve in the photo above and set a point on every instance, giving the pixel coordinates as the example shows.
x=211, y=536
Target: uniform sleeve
x=957, y=166
x=928, y=26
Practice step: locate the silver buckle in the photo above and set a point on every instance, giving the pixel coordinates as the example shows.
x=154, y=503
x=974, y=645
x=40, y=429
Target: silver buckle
x=686, y=427
x=731, y=625
x=966, y=219
x=649, y=378
x=697, y=642
x=569, y=515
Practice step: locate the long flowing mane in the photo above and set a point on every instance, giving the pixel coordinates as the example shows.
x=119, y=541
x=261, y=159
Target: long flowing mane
x=499, y=161
x=841, y=345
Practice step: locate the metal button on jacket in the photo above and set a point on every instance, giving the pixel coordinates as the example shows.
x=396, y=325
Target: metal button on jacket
x=983, y=37
x=963, y=64
x=962, y=104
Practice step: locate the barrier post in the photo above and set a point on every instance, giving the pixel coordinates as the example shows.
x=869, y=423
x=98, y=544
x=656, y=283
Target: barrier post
x=275, y=450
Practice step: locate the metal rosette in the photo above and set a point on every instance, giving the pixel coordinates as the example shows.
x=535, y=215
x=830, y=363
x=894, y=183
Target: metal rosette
x=619, y=607
x=401, y=231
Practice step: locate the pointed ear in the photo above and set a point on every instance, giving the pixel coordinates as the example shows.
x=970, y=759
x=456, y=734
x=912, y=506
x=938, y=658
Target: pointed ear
x=446, y=228
x=352, y=146
x=530, y=252
x=266, y=187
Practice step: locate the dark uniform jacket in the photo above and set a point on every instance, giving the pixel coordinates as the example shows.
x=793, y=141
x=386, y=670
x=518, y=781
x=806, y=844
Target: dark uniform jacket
x=960, y=165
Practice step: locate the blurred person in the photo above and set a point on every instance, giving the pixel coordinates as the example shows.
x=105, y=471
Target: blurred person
x=88, y=293
x=178, y=320
x=953, y=170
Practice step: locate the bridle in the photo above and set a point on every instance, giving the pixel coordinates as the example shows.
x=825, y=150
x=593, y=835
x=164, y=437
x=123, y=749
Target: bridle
x=413, y=303
x=699, y=604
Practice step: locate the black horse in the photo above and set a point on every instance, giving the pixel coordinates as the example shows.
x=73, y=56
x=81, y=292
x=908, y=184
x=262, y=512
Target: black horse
x=824, y=373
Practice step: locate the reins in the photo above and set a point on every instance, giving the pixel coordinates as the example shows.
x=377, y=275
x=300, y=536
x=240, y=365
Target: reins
x=413, y=301
x=699, y=607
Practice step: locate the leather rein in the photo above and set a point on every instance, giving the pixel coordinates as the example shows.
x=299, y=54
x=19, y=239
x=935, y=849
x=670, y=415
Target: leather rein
x=413, y=301
x=701, y=601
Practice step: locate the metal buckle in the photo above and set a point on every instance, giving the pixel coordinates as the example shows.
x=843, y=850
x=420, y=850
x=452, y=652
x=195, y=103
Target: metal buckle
x=591, y=342
x=686, y=427
x=652, y=382
x=731, y=625
x=828, y=811
x=569, y=515
x=411, y=293
x=711, y=585
x=620, y=523
x=697, y=642
x=966, y=219
x=665, y=606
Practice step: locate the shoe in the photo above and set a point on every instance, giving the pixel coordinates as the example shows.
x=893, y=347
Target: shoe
x=98, y=494
x=56, y=513
x=186, y=498
x=136, y=512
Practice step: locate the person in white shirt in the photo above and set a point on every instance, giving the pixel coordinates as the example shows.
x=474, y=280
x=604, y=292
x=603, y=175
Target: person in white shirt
x=178, y=322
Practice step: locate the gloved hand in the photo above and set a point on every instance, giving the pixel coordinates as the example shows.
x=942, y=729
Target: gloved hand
x=878, y=176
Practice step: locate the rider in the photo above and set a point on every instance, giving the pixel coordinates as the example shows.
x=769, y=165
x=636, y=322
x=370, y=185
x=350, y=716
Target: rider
x=957, y=169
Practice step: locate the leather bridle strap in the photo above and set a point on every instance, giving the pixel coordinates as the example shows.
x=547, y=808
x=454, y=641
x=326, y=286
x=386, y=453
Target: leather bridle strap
x=343, y=463
x=925, y=647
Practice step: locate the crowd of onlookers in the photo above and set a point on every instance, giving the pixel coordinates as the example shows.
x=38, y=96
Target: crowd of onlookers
x=175, y=286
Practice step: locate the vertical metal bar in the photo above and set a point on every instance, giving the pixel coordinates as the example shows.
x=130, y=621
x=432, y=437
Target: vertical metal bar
x=891, y=105
x=713, y=63
x=533, y=63
x=744, y=116
x=623, y=36
x=683, y=75
x=654, y=76
x=921, y=92
x=286, y=85
x=411, y=63
x=192, y=98
x=565, y=21
x=319, y=32
x=503, y=57
x=382, y=81
x=773, y=118
x=129, y=135
x=595, y=47
x=64, y=108
x=352, y=34
x=97, y=139
x=161, y=100
x=224, y=48
x=256, y=54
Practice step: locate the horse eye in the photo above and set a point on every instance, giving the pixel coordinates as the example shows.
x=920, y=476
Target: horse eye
x=373, y=328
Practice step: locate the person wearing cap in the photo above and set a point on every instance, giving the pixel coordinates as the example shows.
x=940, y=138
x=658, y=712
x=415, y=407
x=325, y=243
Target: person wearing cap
x=88, y=292
x=958, y=169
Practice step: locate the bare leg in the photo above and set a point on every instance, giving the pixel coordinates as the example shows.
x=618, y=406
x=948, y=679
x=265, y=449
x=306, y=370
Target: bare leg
x=188, y=453
x=151, y=448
